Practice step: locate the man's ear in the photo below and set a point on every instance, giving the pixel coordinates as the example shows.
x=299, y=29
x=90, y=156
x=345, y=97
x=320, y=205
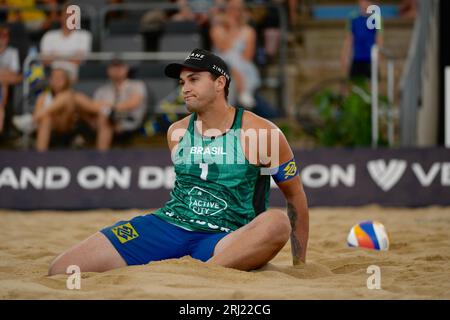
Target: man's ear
x=220, y=83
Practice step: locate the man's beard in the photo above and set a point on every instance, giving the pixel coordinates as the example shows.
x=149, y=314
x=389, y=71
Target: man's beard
x=193, y=107
x=200, y=104
x=197, y=106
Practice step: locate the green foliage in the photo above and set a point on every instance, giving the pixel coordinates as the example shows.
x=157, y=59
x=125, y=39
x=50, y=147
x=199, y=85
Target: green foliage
x=286, y=129
x=345, y=120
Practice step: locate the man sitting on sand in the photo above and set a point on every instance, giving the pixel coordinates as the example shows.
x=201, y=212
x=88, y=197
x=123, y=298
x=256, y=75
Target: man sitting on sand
x=218, y=211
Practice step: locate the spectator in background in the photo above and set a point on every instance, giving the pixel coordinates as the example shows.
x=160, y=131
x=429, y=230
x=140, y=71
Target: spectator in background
x=290, y=7
x=153, y=21
x=198, y=11
x=195, y=10
x=27, y=13
x=53, y=14
x=115, y=14
x=118, y=108
x=184, y=12
x=408, y=9
x=266, y=20
x=65, y=44
x=234, y=40
x=9, y=72
x=55, y=111
x=19, y=38
x=358, y=43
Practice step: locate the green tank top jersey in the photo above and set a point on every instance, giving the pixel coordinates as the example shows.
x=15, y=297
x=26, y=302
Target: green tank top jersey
x=216, y=188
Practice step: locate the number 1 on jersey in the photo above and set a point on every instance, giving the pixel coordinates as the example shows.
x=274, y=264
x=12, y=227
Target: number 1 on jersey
x=204, y=167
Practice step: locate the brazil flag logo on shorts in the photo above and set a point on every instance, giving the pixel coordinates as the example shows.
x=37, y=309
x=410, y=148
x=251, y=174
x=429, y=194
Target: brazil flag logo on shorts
x=125, y=232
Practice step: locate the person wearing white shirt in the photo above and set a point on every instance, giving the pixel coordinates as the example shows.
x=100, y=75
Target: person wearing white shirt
x=9, y=71
x=65, y=44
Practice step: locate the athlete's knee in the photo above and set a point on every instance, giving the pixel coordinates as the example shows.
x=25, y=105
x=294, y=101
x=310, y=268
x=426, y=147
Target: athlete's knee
x=58, y=266
x=278, y=227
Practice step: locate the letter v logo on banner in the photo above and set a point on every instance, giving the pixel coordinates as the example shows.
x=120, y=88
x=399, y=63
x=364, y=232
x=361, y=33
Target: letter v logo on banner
x=386, y=176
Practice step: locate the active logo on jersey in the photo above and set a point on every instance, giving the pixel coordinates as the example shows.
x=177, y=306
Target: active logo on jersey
x=125, y=232
x=290, y=169
x=205, y=203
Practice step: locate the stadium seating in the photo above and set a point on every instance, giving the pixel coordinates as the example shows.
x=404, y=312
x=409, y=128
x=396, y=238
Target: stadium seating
x=178, y=36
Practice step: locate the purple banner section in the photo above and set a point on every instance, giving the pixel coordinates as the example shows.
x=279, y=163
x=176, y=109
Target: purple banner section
x=141, y=179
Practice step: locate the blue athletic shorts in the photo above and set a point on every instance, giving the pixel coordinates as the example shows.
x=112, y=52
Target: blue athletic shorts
x=148, y=238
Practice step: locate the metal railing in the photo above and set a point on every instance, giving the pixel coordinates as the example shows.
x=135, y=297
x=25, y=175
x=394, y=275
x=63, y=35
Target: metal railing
x=410, y=84
x=376, y=112
x=447, y=107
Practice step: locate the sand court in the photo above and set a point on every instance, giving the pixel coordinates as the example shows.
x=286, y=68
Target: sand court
x=417, y=266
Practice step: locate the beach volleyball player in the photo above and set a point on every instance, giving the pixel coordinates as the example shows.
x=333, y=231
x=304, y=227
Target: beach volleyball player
x=224, y=158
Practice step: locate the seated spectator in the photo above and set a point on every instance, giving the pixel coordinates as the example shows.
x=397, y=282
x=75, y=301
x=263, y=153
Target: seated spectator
x=184, y=12
x=55, y=111
x=53, y=15
x=9, y=72
x=27, y=13
x=195, y=10
x=266, y=20
x=65, y=44
x=115, y=14
x=153, y=22
x=118, y=107
x=234, y=40
x=18, y=33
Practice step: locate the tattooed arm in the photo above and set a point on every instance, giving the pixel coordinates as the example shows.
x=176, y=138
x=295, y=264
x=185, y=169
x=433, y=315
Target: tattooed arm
x=279, y=152
x=297, y=209
x=297, y=204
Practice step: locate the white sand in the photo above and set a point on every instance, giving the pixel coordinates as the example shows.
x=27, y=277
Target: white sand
x=417, y=266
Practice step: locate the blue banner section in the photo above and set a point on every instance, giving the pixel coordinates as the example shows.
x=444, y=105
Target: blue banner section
x=142, y=179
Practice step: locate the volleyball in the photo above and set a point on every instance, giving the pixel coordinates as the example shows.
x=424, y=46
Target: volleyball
x=370, y=235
